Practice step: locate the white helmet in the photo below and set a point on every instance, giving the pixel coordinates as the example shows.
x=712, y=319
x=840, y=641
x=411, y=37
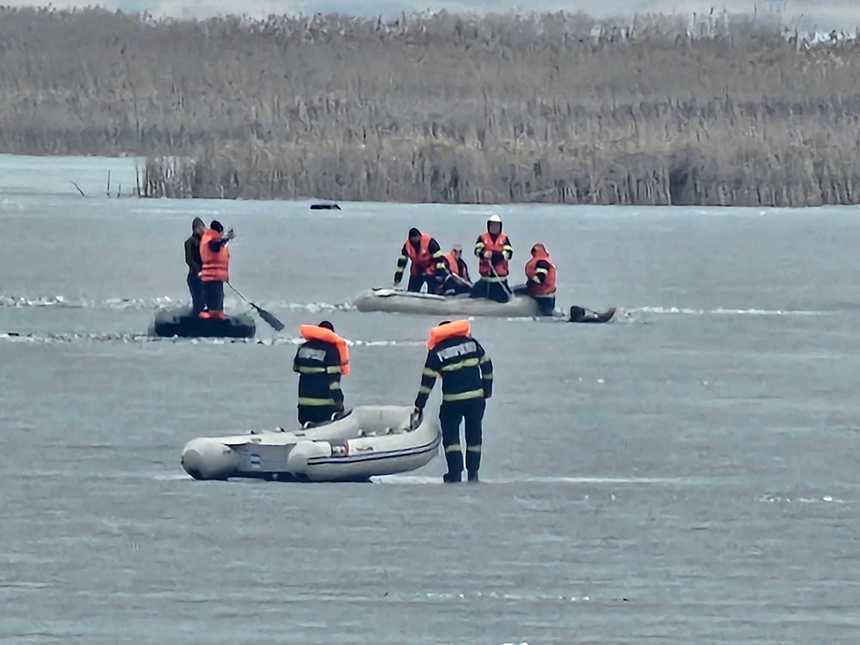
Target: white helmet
x=494, y=218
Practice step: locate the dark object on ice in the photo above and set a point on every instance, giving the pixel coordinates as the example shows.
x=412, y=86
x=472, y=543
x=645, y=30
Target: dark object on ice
x=583, y=315
x=325, y=207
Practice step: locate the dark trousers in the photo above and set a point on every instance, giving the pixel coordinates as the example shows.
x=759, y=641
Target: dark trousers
x=497, y=291
x=417, y=281
x=546, y=304
x=452, y=287
x=315, y=413
x=450, y=416
x=214, y=295
x=195, y=286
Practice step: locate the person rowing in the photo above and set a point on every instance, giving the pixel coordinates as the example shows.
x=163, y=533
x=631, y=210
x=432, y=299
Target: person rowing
x=494, y=252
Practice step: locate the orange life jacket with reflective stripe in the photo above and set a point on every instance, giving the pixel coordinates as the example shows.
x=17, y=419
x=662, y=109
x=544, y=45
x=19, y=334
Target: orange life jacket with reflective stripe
x=216, y=265
x=491, y=245
x=421, y=259
x=547, y=287
x=444, y=332
x=453, y=263
x=313, y=332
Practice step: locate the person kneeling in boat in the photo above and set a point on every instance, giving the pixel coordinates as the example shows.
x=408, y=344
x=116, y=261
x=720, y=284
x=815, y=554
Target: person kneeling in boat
x=425, y=254
x=467, y=382
x=215, y=258
x=195, y=265
x=540, y=276
x=455, y=279
x=494, y=250
x=320, y=361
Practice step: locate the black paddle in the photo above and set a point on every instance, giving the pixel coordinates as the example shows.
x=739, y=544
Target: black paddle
x=275, y=324
x=461, y=280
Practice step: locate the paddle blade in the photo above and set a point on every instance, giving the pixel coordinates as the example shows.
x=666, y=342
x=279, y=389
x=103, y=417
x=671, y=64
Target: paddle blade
x=273, y=322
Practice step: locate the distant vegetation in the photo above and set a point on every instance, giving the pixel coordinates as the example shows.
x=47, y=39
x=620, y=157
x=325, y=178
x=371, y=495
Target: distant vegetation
x=546, y=108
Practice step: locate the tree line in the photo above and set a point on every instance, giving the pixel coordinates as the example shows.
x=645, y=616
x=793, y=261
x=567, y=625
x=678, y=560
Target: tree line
x=712, y=109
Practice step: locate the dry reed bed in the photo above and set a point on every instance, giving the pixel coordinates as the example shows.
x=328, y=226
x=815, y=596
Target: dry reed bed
x=549, y=108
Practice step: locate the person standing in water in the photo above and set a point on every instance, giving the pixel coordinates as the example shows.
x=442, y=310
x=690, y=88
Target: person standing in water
x=215, y=271
x=467, y=382
x=195, y=265
x=320, y=362
x=494, y=251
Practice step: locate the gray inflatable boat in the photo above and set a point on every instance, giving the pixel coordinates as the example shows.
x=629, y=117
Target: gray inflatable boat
x=365, y=442
x=406, y=302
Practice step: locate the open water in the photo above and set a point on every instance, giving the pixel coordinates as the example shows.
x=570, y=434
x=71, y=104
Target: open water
x=686, y=474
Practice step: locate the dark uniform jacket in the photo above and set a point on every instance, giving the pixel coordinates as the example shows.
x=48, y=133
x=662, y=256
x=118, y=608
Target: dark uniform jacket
x=435, y=251
x=318, y=366
x=192, y=254
x=465, y=368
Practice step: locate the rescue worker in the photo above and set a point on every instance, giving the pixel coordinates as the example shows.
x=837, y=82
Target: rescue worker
x=215, y=271
x=426, y=257
x=540, y=280
x=456, y=276
x=320, y=361
x=467, y=382
x=195, y=265
x=494, y=250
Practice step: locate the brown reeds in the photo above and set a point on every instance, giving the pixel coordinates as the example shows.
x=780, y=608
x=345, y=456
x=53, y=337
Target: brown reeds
x=547, y=108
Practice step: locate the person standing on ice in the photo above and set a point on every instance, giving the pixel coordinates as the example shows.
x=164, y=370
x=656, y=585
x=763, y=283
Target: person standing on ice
x=195, y=265
x=467, y=382
x=215, y=257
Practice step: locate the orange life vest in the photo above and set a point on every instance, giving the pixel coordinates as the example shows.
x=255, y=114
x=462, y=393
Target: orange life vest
x=453, y=263
x=313, y=332
x=547, y=287
x=491, y=245
x=216, y=265
x=422, y=259
x=444, y=332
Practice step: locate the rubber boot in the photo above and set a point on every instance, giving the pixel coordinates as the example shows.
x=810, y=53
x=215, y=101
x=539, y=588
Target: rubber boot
x=473, y=460
x=455, y=467
x=454, y=458
x=473, y=475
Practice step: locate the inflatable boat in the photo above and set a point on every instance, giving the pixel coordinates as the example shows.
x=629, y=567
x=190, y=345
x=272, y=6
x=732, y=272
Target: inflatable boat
x=519, y=306
x=365, y=442
x=407, y=302
x=181, y=322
